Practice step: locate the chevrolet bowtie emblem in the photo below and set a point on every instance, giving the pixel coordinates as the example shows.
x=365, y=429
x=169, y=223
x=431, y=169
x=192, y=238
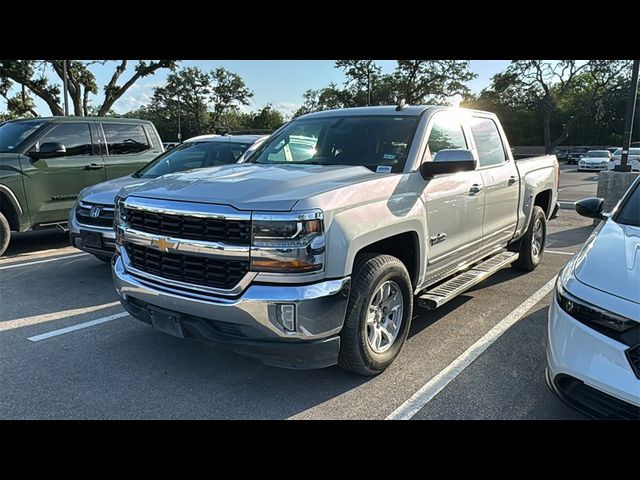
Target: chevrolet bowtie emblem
x=163, y=244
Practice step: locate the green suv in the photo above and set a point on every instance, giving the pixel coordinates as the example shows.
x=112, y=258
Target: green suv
x=45, y=162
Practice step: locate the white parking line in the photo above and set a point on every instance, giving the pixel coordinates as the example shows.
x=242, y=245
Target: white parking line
x=558, y=252
x=80, y=326
x=44, y=261
x=48, y=317
x=430, y=389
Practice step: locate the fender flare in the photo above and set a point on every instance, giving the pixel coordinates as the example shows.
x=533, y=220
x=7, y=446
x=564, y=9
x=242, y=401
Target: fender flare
x=12, y=198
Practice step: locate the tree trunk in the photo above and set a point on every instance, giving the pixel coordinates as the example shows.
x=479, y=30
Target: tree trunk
x=548, y=149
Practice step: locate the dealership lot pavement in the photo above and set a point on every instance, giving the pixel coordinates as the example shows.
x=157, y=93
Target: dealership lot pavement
x=68, y=349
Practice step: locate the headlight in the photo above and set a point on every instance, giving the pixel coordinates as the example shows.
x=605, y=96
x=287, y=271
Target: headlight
x=590, y=314
x=287, y=243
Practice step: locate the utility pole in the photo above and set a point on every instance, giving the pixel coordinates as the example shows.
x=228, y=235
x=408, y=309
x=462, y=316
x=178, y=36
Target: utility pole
x=179, y=125
x=628, y=123
x=66, y=91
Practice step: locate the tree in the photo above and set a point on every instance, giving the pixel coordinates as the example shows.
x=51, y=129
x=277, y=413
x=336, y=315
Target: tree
x=81, y=82
x=228, y=92
x=552, y=83
x=266, y=118
x=361, y=76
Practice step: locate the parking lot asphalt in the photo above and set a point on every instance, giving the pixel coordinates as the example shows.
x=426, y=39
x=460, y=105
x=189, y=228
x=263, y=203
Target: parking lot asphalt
x=575, y=185
x=119, y=368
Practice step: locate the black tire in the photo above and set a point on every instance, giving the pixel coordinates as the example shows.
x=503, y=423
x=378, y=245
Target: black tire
x=5, y=234
x=527, y=260
x=103, y=258
x=369, y=273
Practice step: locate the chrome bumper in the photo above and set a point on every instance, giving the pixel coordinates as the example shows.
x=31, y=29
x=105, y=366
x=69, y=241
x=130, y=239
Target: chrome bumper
x=320, y=307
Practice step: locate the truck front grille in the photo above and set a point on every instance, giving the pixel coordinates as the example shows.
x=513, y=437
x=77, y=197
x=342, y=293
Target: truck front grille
x=97, y=215
x=207, y=271
x=633, y=354
x=235, y=232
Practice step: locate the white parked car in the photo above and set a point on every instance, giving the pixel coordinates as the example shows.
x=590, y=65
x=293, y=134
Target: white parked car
x=595, y=160
x=633, y=159
x=593, y=350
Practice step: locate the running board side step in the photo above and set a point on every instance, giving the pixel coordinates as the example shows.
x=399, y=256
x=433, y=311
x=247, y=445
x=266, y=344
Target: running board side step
x=450, y=289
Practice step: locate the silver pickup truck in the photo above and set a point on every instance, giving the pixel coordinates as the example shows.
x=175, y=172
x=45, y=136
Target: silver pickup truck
x=314, y=250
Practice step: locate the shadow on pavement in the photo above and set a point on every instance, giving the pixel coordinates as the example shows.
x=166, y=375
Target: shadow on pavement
x=30, y=242
x=568, y=238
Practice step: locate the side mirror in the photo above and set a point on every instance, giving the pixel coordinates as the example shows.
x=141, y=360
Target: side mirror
x=49, y=150
x=449, y=161
x=591, y=208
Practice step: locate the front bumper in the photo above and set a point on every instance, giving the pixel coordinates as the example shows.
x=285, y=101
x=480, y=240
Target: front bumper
x=595, y=167
x=589, y=370
x=78, y=237
x=248, y=324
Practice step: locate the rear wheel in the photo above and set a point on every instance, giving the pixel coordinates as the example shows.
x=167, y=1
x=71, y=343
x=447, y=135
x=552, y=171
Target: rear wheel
x=378, y=315
x=533, y=242
x=5, y=234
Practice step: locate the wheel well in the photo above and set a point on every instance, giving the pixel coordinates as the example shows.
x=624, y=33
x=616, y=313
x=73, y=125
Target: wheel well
x=403, y=246
x=9, y=212
x=543, y=200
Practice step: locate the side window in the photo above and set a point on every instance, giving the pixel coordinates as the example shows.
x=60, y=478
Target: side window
x=446, y=133
x=123, y=139
x=75, y=137
x=488, y=141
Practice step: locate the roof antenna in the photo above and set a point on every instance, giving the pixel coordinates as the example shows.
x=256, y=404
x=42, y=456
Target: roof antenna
x=402, y=105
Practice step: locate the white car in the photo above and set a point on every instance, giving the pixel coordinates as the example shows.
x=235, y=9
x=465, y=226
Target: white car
x=595, y=160
x=633, y=159
x=593, y=351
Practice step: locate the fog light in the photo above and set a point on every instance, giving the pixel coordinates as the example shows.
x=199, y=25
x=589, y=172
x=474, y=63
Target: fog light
x=287, y=316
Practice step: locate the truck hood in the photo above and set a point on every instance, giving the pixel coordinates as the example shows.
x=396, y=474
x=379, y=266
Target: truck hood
x=248, y=186
x=610, y=261
x=105, y=192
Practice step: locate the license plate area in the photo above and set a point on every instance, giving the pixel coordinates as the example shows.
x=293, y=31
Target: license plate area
x=166, y=321
x=91, y=239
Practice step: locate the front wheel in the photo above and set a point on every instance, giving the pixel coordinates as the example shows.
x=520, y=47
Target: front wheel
x=5, y=234
x=378, y=316
x=533, y=242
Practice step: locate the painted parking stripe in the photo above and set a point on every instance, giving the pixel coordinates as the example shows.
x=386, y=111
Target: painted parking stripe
x=48, y=317
x=80, y=326
x=44, y=261
x=434, y=386
x=558, y=252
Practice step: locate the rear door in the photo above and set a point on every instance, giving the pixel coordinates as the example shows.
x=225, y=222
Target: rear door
x=52, y=184
x=500, y=179
x=455, y=202
x=126, y=148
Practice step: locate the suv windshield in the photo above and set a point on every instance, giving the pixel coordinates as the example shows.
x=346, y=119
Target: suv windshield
x=13, y=133
x=193, y=155
x=630, y=212
x=369, y=141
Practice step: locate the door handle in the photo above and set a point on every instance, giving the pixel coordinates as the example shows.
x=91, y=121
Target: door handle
x=512, y=179
x=475, y=188
x=94, y=166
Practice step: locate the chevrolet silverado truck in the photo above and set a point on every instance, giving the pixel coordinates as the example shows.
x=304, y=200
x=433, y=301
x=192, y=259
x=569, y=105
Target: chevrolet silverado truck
x=313, y=251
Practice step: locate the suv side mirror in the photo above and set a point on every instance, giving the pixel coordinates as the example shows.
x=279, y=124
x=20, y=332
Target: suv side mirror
x=591, y=208
x=49, y=150
x=449, y=161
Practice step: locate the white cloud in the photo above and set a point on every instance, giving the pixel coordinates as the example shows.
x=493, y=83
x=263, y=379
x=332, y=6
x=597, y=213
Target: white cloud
x=131, y=102
x=287, y=108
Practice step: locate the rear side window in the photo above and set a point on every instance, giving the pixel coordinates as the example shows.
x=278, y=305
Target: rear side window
x=488, y=141
x=446, y=133
x=75, y=137
x=123, y=139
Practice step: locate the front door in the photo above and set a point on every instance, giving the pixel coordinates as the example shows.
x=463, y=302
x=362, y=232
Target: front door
x=455, y=203
x=52, y=184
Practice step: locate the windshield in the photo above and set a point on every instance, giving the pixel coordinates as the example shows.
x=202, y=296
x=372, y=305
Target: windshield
x=632, y=151
x=630, y=212
x=598, y=153
x=13, y=133
x=369, y=141
x=193, y=155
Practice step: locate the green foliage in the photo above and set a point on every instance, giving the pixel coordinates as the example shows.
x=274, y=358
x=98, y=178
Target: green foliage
x=417, y=81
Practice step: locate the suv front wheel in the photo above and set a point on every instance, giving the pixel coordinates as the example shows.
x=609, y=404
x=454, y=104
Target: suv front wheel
x=5, y=234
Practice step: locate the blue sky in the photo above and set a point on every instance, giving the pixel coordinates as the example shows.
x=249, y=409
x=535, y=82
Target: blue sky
x=279, y=82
